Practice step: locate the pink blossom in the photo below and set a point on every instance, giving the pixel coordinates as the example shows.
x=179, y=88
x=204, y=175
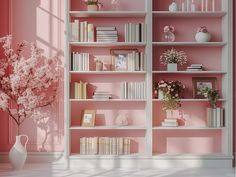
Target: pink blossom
x=202, y=29
x=169, y=28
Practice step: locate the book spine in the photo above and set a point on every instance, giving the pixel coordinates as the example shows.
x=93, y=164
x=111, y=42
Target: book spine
x=90, y=33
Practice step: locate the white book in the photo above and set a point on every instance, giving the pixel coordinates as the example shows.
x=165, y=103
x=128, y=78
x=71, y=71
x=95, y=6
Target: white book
x=130, y=32
x=85, y=31
x=218, y=117
x=142, y=61
x=170, y=120
x=137, y=60
x=126, y=33
x=81, y=32
x=80, y=61
x=105, y=28
x=75, y=31
x=214, y=120
x=136, y=32
x=91, y=33
x=165, y=124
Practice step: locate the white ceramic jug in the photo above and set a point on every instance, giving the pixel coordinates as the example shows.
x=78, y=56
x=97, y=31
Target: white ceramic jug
x=173, y=7
x=18, y=153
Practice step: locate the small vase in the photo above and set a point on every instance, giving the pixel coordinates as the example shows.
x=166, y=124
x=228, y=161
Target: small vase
x=92, y=7
x=18, y=153
x=173, y=7
x=160, y=95
x=172, y=67
x=169, y=37
x=99, y=66
x=202, y=37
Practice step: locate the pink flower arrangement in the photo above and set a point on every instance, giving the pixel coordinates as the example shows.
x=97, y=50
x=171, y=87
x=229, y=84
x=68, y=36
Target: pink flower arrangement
x=172, y=91
x=202, y=29
x=93, y=2
x=169, y=28
x=27, y=83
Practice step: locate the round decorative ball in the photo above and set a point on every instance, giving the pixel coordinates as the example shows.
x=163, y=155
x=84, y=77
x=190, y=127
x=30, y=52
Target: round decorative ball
x=202, y=37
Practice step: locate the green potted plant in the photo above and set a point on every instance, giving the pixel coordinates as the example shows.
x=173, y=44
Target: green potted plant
x=93, y=5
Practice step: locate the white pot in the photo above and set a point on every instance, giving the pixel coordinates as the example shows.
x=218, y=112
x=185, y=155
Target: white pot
x=92, y=7
x=18, y=153
x=173, y=7
x=172, y=67
x=172, y=114
x=202, y=37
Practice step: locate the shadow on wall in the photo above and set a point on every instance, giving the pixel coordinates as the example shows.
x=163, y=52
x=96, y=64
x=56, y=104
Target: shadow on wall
x=40, y=22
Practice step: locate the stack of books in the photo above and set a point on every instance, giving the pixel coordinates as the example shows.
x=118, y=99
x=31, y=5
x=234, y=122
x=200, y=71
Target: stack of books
x=79, y=61
x=133, y=90
x=104, y=146
x=135, y=32
x=169, y=122
x=215, y=117
x=82, y=31
x=136, y=61
x=102, y=95
x=106, y=34
x=78, y=90
x=195, y=67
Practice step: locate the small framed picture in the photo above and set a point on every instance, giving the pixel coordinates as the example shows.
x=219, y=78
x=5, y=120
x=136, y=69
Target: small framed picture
x=88, y=119
x=199, y=83
x=120, y=58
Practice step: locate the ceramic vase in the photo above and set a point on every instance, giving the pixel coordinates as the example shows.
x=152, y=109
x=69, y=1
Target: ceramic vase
x=18, y=153
x=202, y=37
x=169, y=37
x=160, y=95
x=92, y=7
x=172, y=67
x=173, y=7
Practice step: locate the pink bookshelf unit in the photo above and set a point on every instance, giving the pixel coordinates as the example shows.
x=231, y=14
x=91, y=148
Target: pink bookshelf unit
x=192, y=139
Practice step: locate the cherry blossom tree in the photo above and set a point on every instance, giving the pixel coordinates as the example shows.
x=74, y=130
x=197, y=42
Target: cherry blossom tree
x=26, y=83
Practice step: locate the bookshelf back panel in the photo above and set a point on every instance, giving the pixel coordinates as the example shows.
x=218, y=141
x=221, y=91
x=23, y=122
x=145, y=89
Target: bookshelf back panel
x=210, y=57
x=119, y=23
x=191, y=113
x=187, y=81
x=137, y=138
x=163, y=5
x=107, y=112
x=124, y=5
x=186, y=28
x=187, y=141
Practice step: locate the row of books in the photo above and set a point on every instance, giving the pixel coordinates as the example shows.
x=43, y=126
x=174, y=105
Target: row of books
x=104, y=145
x=215, y=117
x=136, y=61
x=135, y=32
x=106, y=34
x=81, y=31
x=79, y=61
x=133, y=90
x=78, y=90
x=102, y=95
x=195, y=67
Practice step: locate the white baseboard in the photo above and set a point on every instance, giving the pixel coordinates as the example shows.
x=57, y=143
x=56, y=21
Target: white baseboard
x=36, y=157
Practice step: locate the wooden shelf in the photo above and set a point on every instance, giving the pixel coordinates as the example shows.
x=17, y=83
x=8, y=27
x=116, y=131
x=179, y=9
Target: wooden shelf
x=108, y=100
x=189, y=72
x=192, y=100
x=136, y=155
x=188, y=128
x=108, y=44
x=108, y=72
x=197, y=14
x=195, y=44
x=108, y=14
x=129, y=127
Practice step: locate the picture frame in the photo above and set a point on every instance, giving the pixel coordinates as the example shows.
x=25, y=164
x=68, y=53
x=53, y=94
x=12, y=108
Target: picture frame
x=201, y=83
x=88, y=119
x=119, y=58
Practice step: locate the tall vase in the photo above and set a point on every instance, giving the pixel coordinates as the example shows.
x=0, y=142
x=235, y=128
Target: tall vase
x=18, y=153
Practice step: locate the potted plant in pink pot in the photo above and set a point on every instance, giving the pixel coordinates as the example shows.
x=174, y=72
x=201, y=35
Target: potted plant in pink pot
x=93, y=5
x=202, y=34
x=26, y=85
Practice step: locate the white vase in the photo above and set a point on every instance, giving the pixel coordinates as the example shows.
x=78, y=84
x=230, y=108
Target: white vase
x=172, y=67
x=202, y=37
x=92, y=7
x=160, y=95
x=18, y=153
x=173, y=7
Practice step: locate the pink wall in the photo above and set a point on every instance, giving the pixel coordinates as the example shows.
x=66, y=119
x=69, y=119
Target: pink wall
x=43, y=23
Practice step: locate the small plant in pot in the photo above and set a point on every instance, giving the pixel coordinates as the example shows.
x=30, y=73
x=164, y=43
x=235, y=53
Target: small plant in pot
x=172, y=57
x=202, y=34
x=93, y=5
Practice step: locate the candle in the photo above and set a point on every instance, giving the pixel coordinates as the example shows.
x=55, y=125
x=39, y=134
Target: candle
x=213, y=5
x=202, y=5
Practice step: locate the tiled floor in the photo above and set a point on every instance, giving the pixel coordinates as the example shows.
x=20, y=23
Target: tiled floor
x=58, y=170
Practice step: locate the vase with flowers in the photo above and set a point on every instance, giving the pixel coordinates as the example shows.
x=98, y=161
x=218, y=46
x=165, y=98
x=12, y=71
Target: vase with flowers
x=172, y=57
x=26, y=85
x=202, y=34
x=171, y=92
x=93, y=5
x=168, y=35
